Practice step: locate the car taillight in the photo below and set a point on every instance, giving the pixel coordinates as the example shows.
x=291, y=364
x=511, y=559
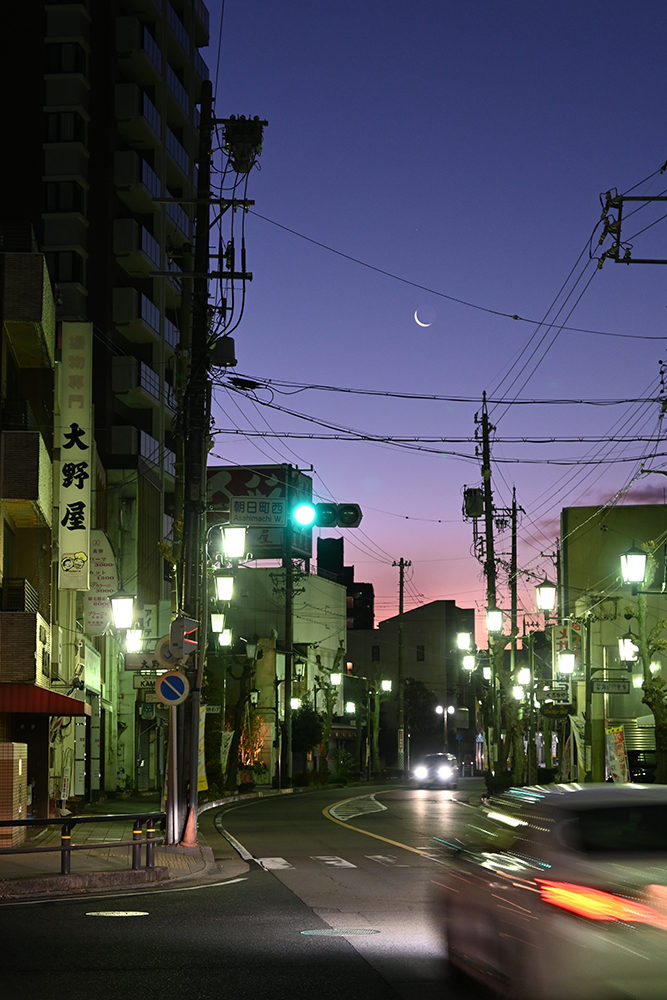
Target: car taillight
x=598, y=905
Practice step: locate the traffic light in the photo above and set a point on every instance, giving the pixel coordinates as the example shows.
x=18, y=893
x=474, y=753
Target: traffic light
x=327, y=515
x=183, y=636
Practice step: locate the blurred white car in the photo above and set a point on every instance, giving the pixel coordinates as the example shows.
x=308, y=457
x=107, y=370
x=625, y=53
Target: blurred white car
x=561, y=892
x=437, y=769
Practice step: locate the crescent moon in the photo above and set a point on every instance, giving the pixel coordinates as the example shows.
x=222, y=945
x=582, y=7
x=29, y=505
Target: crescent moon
x=418, y=321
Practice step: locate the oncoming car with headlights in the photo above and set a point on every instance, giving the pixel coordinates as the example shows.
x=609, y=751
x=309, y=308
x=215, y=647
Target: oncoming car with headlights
x=437, y=770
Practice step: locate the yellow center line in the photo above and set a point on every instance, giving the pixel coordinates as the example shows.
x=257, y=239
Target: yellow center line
x=376, y=836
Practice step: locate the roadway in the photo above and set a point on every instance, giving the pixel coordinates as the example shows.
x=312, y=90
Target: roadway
x=335, y=900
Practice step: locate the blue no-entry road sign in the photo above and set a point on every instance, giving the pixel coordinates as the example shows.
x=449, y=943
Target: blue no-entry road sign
x=172, y=688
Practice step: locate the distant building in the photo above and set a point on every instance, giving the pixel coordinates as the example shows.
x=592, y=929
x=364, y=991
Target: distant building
x=430, y=656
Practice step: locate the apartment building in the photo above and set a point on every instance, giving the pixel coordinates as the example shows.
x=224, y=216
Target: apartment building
x=101, y=105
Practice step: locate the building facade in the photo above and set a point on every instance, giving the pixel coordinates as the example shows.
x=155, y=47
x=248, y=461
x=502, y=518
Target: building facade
x=104, y=98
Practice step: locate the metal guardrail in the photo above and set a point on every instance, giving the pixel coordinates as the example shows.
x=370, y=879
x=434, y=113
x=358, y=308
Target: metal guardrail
x=66, y=846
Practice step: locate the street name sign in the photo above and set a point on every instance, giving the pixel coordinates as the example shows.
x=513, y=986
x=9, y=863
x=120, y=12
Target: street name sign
x=142, y=683
x=611, y=687
x=267, y=512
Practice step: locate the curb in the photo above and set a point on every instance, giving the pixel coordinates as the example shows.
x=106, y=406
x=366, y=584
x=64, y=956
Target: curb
x=48, y=885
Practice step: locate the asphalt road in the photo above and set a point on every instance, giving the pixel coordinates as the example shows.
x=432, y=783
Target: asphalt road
x=273, y=931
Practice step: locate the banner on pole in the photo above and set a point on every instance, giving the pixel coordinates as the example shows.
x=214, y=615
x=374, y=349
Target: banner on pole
x=225, y=744
x=74, y=438
x=202, y=783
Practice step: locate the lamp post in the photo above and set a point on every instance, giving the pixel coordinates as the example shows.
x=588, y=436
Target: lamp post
x=445, y=712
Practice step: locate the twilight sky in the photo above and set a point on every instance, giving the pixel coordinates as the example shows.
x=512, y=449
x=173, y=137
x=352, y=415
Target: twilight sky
x=461, y=146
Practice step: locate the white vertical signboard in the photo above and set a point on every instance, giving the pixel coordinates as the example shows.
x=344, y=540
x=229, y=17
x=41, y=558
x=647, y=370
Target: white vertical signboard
x=75, y=440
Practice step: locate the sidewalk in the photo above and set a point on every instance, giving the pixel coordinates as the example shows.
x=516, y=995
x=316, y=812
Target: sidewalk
x=38, y=874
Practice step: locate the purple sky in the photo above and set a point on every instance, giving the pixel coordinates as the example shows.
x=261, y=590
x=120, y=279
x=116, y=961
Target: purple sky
x=462, y=146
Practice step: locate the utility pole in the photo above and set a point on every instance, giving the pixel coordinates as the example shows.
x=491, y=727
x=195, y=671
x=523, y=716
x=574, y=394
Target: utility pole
x=490, y=574
x=402, y=565
x=197, y=410
x=513, y=584
x=286, y=745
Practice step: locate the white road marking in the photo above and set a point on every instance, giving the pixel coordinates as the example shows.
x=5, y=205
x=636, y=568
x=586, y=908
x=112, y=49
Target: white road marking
x=332, y=861
x=273, y=863
x=117, y=913
x=360, y=805
x=340, y=932
x=388, y=860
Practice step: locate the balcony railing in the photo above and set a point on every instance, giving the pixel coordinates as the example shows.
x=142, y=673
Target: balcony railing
x=200, y=66
x=152, y=49
x=178, y=152
x=149, y=448
x=150, y=246
x=178, y=217
x=171, y=333
x=178, y=28
x=169, y=397
x=151, y=114
x=150, y=179
x=170, y=469
x=149, y=380
x=178, y=90
x=150, y=313
x=201, y=10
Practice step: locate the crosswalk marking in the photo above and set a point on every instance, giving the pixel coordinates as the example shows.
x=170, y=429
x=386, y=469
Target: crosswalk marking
x=388, y=860
x=273, y=863
x=332, y=861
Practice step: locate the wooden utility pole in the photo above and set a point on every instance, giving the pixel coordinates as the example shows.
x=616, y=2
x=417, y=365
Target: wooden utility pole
x=402, y=565
x=490, y=574
x=197, y=411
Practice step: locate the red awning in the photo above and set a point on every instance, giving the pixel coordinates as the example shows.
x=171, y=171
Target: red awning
x=31, y=698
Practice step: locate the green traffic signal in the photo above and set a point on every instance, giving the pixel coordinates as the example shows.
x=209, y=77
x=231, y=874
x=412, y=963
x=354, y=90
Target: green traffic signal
x=327, y=515
x=304, y=514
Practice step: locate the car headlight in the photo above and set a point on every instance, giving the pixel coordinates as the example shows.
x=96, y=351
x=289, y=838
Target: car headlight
x=444, y=771
x=420, y=772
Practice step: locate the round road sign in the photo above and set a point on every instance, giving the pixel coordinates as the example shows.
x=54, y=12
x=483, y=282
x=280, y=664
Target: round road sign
x=163, y=652
x=172, y=688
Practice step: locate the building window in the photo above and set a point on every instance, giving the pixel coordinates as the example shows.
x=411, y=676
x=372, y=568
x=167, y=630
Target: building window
x=420, y=654
x=66, y=57
x=64, y=196
x=64, y=266
x=65, y=126
x=375, y=654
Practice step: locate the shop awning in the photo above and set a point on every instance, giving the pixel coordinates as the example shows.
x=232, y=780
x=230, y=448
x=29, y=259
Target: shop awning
x=30, y=698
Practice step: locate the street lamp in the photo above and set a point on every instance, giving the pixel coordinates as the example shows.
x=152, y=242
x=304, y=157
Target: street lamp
x=517, y=692
x=350, y=708
x=633, y=567
x=566, y=661
x=224, y=585
x=233, y=542
x=133, y=640
x=628, y=647
x=122, y=608
x=386, y=686
x=445, y=713
x=469, y=661
x=463, y=641
x=494, y=620
x=523, y=677
x=546, y=596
